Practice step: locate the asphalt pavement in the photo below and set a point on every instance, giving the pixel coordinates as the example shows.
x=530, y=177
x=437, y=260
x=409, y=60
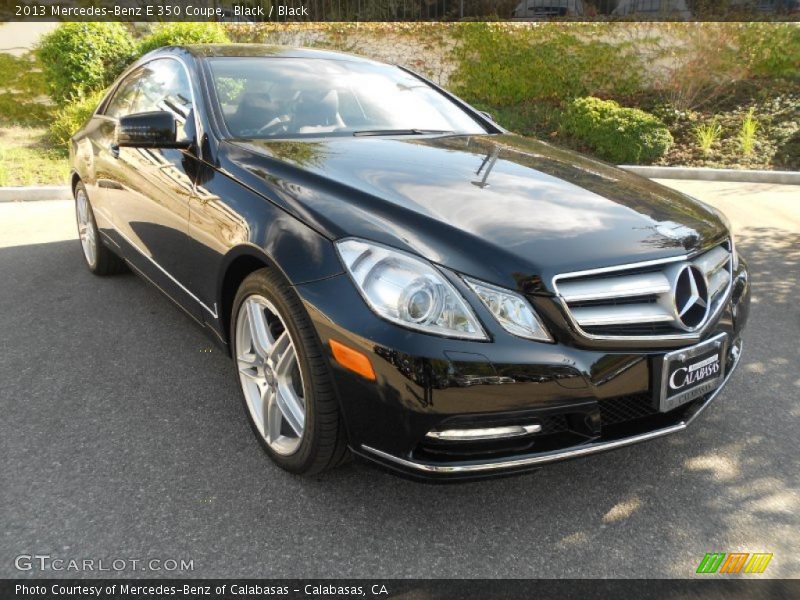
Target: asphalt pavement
x=122, y=436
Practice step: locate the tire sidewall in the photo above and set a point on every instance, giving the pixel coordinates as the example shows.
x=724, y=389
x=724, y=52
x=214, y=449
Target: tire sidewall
x=80, y=188
x=265, y=283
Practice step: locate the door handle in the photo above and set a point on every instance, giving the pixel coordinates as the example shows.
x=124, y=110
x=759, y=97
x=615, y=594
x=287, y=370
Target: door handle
x=114, y=149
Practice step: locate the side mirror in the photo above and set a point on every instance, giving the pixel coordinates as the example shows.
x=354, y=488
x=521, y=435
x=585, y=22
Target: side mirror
x=157, y=129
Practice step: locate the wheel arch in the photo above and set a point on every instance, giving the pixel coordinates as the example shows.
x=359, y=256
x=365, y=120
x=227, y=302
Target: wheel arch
x=74, y=180
x=240, y=262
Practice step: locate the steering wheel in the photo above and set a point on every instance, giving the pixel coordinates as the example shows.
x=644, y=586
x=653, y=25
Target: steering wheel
x=276, y=125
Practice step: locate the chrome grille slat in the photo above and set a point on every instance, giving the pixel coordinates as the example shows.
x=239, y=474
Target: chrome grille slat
x=717, y=282
x=638, y=301
x=627, y=314
x=642, y=284
x=713, y=260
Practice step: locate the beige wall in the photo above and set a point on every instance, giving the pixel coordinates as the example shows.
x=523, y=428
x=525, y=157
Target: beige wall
x=18, y=38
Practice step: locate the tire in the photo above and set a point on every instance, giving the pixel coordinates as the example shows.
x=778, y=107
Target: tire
x=276, y=385
x=98, y=257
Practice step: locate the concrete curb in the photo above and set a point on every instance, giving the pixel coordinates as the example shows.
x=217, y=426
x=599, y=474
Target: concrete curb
x=703, y=174
x=29, y=194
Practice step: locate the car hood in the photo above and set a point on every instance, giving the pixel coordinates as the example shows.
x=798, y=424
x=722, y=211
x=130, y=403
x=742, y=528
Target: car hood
x=504, y=208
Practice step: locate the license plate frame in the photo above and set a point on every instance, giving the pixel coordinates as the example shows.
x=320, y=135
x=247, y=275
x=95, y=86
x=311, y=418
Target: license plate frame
x=690, y=359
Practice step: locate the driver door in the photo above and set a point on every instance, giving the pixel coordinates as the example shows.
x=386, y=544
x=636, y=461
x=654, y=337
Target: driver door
x=152, y=187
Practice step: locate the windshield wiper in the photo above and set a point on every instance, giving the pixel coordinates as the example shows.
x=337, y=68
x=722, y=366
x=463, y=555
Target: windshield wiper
x=367, y=132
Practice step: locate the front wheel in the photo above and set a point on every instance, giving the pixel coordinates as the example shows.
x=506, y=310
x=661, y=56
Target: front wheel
x=286, y=386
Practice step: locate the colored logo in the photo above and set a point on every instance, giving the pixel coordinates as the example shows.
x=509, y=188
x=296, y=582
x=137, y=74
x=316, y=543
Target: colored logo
x=734, y=562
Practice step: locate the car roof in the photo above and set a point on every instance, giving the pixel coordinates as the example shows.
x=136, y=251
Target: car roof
x=265, y=50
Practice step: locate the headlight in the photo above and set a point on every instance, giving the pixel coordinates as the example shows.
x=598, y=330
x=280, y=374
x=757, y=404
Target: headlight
x=727, y=223
x=408, y=291
x=512, y=311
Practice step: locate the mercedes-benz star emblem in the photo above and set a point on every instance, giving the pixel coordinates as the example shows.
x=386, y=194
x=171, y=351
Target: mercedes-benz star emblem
x=691, y=297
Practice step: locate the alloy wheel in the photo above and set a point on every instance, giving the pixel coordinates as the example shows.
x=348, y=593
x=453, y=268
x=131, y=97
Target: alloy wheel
x=86, y=229
x=269, y=372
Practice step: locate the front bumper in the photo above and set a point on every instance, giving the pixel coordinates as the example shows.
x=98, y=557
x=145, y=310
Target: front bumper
x=534, y=460
x=586, y=399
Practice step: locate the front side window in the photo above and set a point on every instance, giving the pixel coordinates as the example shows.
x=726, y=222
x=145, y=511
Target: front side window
x=160, y=85
x=164, y=86
x=124, y=101
x=272, y=97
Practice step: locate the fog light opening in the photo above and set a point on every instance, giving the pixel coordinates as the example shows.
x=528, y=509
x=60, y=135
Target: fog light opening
x=484, y=433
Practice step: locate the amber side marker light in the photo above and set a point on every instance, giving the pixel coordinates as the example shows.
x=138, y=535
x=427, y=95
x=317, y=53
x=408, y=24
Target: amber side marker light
x=352, y=359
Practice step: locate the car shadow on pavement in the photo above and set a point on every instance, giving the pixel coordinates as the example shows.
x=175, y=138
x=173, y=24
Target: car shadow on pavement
x=122, y=419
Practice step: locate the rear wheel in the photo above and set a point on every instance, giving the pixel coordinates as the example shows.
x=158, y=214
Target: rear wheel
x=286, y=386
x=99, y=258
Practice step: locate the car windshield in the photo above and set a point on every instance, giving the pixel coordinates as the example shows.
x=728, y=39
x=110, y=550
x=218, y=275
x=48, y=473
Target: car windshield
x=272, y=97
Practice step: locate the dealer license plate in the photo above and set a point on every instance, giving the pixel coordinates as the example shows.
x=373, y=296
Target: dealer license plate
x=691, y=372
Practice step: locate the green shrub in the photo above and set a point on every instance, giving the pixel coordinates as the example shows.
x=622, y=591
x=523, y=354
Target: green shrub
x=176, y=34
x=499, y=64
x=771, y=49
x=618, y=134
x=79, y=58
x=18, y=109
x=69, y=118
x=23, y=99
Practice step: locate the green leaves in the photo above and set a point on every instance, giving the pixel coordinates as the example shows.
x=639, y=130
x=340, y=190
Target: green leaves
x=80, y=58
x=615, y=133
x=177, y=34
x=747, y=133
x=707, y=135
x=68, y=118
x=502, y=65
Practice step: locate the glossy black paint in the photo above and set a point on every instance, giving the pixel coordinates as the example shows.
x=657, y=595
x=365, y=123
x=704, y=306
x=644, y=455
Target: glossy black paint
x=422, y=384
x=501, y=208
x=157, y=129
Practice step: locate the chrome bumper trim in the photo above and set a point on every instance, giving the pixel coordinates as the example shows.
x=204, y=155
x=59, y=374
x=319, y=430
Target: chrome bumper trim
x=483, y=434
x=540, y=459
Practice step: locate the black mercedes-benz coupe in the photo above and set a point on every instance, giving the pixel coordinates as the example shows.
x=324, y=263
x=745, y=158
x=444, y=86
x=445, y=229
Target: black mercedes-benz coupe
x=398, y=277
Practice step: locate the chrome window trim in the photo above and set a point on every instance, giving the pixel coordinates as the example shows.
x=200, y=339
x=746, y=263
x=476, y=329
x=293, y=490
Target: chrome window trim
x=549, y=457
x=690, y=336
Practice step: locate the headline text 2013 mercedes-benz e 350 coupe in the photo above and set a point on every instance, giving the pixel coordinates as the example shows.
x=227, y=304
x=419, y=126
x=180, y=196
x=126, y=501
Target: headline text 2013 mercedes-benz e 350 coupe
x=396, y=276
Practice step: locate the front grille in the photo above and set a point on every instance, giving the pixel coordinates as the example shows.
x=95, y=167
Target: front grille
x=626, y=408
x=640, y=300
x=554, y=424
